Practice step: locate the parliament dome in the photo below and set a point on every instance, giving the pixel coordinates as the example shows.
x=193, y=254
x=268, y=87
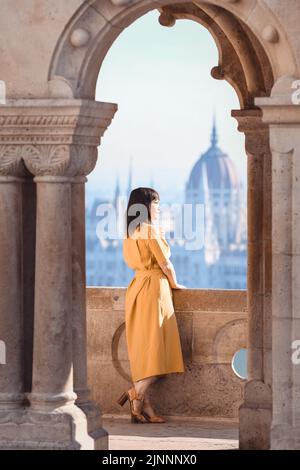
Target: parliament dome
x=215, y=167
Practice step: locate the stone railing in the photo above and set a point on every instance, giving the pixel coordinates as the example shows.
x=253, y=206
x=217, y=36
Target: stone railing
x=212, y=326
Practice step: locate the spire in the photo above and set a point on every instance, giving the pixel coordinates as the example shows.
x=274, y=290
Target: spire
x=129, y=187
x=214, y=136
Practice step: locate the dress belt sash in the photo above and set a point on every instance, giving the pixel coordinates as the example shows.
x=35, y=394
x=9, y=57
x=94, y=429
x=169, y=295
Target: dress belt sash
x=139, y=272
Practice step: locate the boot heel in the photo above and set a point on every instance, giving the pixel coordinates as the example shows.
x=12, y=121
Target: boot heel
x=138, y=419
x=123, y=398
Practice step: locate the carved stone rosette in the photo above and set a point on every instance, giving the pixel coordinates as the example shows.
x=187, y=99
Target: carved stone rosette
x=11, y=161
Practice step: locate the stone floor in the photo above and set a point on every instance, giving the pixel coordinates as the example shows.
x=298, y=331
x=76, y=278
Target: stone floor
x=176, y=434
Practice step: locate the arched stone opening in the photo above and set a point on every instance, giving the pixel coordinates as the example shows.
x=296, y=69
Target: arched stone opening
x=245, y=37
x=246, y=65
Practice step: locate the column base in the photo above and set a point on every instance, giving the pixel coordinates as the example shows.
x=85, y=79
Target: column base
x=285, y=437
x=65, y=428
x=255, y=417
x=94, y=421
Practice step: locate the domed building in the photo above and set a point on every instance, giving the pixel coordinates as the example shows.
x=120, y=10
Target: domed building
x=216, y=214
x=213, y=256
x=214, y=182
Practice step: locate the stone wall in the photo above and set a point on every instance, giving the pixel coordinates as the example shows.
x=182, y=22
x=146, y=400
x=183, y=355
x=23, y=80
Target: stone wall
x=212, y=326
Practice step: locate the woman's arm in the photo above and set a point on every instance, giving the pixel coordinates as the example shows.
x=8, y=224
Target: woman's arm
x=168, y=269
x=157, y=247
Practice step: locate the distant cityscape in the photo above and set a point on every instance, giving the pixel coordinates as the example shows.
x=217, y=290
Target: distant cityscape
x=220, y=262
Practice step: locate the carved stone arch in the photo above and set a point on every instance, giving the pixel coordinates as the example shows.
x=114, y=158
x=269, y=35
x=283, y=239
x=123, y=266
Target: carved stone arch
x=246, y=32
x=242, y=61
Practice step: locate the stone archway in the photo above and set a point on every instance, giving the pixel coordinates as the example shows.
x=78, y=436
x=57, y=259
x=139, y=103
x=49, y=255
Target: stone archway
x=246, y=34
x=51, y=144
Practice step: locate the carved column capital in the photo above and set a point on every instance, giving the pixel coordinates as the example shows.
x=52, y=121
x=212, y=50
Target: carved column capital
x=54, y=138
x=256, y=131
x=281, y=111
x=11, y=164
x=63, y=161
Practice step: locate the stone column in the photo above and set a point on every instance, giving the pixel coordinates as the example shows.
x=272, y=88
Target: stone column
x=283, y=118
x=53, y=378
x=53, y=356
x=256, y=409
x=28, y=260
x=11, y=315
x=79, y=321
x=79, y=291
x=58, y=141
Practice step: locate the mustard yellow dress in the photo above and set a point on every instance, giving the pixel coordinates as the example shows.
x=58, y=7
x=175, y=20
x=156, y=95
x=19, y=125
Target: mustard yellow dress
x=152, y=334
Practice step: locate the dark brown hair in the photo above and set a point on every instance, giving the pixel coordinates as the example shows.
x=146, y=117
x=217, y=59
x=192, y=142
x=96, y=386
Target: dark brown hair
x=140, y=196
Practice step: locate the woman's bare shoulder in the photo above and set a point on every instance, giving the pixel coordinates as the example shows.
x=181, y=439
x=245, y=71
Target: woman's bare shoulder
x=152, y=231
x=145, y=231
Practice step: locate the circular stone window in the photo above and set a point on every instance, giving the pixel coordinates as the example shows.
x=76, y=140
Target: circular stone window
x=239, y=363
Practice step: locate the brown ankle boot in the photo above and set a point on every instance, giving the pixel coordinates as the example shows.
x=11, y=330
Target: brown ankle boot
x=154, y=418
x=131, y=395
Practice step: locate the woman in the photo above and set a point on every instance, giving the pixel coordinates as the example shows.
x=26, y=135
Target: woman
x=151, y=328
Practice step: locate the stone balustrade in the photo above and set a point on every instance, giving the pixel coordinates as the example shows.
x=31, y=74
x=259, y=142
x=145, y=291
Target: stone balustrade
x=212, y=326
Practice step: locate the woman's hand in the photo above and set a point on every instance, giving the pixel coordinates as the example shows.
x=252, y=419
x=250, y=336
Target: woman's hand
x=179, y=286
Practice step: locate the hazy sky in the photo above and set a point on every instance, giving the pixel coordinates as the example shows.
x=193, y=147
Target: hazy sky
x=160, y=78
